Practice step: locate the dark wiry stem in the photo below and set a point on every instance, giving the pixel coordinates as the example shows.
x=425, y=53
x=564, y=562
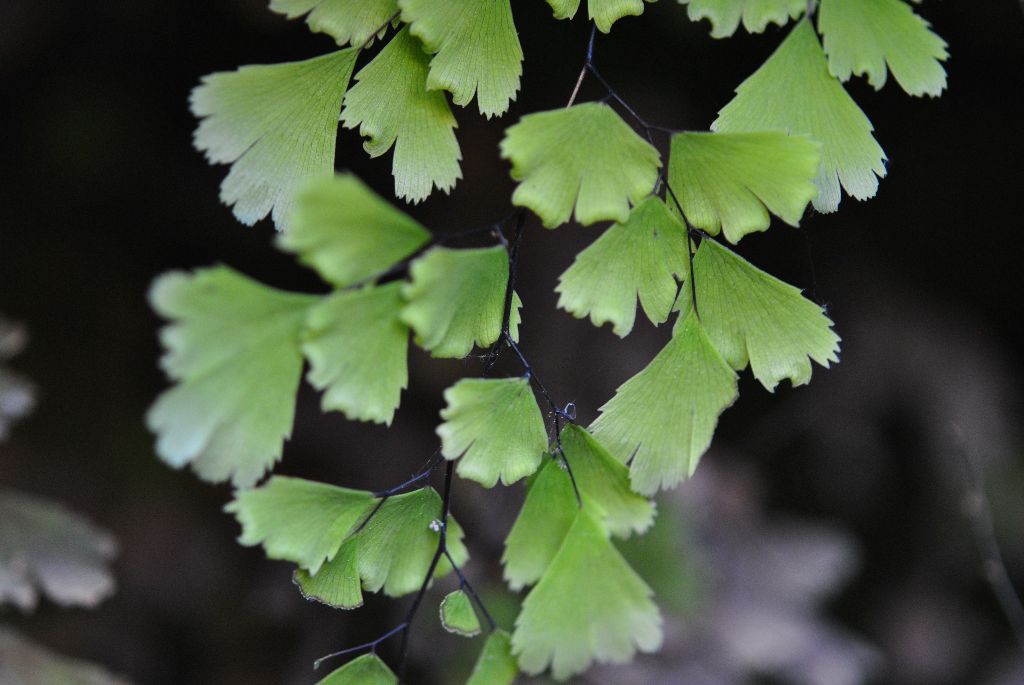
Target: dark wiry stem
x=442, y=541
x=464, y=584
x=372, y=646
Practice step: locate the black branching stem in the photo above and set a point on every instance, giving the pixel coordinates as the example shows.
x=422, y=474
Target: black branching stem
x=649, y=129
x=558, y=413
x=442, y=541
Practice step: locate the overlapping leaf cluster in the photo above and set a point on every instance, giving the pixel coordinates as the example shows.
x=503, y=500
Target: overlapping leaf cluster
x=791, y=137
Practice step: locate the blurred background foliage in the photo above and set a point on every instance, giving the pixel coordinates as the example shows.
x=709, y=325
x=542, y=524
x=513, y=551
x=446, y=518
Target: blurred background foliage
x=824, y=540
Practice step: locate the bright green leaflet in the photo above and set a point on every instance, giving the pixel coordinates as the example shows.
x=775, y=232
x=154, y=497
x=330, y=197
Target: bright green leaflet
x=725, y=15
x=347, y=232
x=367, y=669
x=457, y=615
x=299, y=520
x=584, y=156
x=233, y=348
x=337, y=583
x=605, y=482
x=663, y=417
x=391, y=106
x=495, y=666
x=276, y=124
x=729, y=182
x=357, y=350
x=547, y=513
x=604, y=13
x=862, y=36
x=456, y=299
x=590, y=605
x=347, y=21
x=751, y=315
x=397, y=545
x=476, y=48
x=642, y=258
x=794, y=92
x=494, y=427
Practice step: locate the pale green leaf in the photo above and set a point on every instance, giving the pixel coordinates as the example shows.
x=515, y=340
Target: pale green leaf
x=863, y=36
x=457, y=298
x=346, y=21
x=45, y=549
x=729, y=182
x=494, y=427
x=750, y=315
x=398, y=543
x=794, y=92
x=663, y=418
x=367, y=669
x=605, y=484
x=391, y=106
x=276, y=125
x=347, y=232
x=357, y=350
x=337, y=583
x=725, y=15
x=589, y=606
x=458, y=616
x=299, y=520
x=477, y=49
x=584, y=156
x=642, y=258
x=603, y=13
x=233, y=348
x=495, y=665
x=23, y=662
x=547, y=513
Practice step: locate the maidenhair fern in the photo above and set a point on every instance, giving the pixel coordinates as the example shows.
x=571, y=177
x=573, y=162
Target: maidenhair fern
x=791, y=138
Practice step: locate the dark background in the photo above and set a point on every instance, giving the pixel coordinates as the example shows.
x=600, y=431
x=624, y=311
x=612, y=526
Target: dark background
x=101, y=191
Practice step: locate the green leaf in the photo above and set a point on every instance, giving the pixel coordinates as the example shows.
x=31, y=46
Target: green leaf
x=299, y=520
x=794, y=92
x=862, y=36
x=391, y=106
x=725, y=15
x=729, y=182
x=495, y=426
x=663, y=418
x=347, y=232
x=457, y=615
x=584, y=156
x=642, y=258
x=337, y=583
x=751, y=315
x=495, y=666
x=233, y=348
x=367, y=669
x=476, y=48
x=276, y=125
x=605, y=484
x=346, y=21
x=23, y=662
x=357, y=349
x=547, y=513
x=398, y=543
x=457, y=298
x=590, y=605
x=604, y=13
x=45, y=549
